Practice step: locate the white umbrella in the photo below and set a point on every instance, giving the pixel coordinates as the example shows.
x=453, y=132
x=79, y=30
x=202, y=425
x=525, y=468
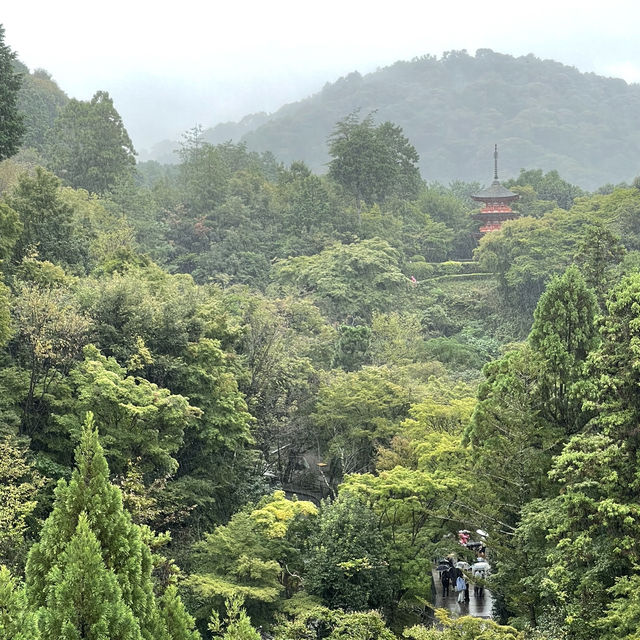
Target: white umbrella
x=463, y=565
x=481, y=566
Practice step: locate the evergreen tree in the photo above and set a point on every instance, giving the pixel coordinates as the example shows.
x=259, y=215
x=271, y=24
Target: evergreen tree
x=562, y=335
x=11, y=120
x=89, y=145
x=587, y=535
x=179, y=623
x=597, y=254
x=17, y=622
x=47, y=221
x=85, y=600
x=348, y=567
x=121, y=543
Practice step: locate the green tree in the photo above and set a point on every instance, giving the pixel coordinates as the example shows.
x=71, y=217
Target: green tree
x=204, y=176
x=216, y=456
x=40, y=100
x=11, y=120
x=462, y=628
x=597, y=254
x=563, y=334
x=49, y=335
x=320, y=622
x=10, y=231
x=85, y=599
x=251, y=556
x=89, y=146
x=138, y=419
x=548, y=186
x=347, y=559
x=372, y=162
x=17, y=620
x=355, y=413
x=180, y=624
x=120, y=542
x=586, y=532
x=352, y=347
x=237, y=624
x=47, y=220
x=410, y=507
x=19, y=485
x=346, y=280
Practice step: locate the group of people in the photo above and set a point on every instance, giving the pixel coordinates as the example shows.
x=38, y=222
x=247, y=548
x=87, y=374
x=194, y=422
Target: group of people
x=454, y=577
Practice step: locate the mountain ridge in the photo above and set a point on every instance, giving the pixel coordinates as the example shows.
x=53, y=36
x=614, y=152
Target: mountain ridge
x=542, y=113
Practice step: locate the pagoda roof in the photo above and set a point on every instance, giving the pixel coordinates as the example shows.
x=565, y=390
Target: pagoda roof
x=495, y=192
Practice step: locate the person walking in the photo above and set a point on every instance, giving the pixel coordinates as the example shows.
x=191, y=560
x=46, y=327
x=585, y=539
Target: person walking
x=444, y=578
x=460, y=587
x=478, y=589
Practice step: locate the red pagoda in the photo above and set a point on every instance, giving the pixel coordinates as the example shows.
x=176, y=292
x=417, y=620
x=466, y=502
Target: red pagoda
x=495, y=200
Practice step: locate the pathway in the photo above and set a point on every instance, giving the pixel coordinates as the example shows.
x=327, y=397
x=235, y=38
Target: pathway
x=477, y=607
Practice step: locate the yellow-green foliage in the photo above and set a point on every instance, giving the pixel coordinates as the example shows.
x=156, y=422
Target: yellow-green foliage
x=463, y=628
x=246, y=557
x=276, y=515
x=19, y=484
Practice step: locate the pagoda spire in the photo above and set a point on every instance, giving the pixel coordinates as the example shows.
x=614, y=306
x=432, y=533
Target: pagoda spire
x=495, y=161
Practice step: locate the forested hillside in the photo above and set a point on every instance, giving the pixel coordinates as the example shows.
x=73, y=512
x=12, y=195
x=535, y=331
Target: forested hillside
x=242, y=400
x=453, y=109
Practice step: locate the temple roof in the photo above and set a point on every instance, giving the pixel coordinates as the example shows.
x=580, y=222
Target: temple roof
x=495, y=192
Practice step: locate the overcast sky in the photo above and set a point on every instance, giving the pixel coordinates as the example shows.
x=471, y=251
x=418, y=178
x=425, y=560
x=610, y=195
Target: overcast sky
x=210, y=61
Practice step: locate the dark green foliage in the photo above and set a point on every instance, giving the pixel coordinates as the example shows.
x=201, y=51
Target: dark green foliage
x=355, y=413
x=347, y=566
x=562, y=335
x=352, y=347
x=347, y=281
x=89, y=146
x=11, y=120
x=40, y=100
x=372, y=162
x=10, y=231
x=46, y=221
x=598, y=253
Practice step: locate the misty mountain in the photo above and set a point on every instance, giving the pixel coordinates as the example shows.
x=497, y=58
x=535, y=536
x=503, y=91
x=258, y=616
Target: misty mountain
x=543, y=114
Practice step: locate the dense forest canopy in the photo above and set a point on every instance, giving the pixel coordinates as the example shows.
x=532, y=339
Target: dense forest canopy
x=242, y=400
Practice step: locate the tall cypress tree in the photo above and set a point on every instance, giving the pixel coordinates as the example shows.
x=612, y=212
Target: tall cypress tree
x=120, y=540
x=85, y=600
x=562, y=335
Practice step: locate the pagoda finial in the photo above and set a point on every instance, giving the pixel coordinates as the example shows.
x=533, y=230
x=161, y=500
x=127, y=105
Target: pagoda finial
x=495, y=158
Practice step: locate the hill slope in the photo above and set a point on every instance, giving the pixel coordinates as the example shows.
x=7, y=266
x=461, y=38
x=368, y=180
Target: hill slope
x=543, y=114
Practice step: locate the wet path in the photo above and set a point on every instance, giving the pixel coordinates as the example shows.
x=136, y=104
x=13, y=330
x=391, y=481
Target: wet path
x=478, y=607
